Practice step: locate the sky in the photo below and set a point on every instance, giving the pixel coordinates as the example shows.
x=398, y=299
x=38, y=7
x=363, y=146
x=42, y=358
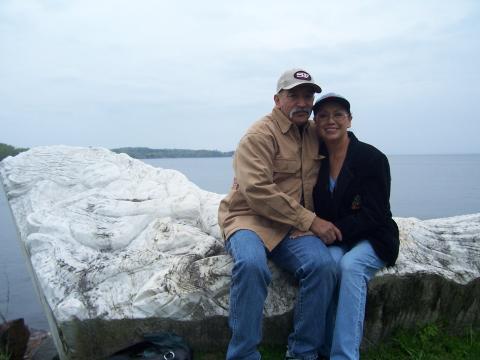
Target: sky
x=196, y=75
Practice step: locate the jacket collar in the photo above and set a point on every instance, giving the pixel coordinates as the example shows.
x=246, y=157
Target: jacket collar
x=346, y=174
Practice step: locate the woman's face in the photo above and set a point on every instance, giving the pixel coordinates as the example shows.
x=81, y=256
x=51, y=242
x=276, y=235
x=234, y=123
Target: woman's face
x=332, y=121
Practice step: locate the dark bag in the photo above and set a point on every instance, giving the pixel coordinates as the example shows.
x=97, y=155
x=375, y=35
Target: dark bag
x=157, y=346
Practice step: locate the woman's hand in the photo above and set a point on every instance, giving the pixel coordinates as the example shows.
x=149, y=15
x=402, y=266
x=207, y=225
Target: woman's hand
x=326, y=231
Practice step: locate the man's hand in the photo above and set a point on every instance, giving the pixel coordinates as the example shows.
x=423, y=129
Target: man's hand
x=326, y=231
x=297, y=233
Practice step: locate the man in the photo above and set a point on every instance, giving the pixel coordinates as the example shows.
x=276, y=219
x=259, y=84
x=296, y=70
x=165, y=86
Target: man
x=276, y=166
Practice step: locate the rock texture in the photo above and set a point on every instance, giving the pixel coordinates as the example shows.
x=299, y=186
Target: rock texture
x=118, y=248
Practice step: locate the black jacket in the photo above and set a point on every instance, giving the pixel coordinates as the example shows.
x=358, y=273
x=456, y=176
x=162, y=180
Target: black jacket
x=360, y=205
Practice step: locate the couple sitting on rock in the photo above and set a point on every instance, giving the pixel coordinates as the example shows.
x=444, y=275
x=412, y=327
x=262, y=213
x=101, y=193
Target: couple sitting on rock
x=313, y=199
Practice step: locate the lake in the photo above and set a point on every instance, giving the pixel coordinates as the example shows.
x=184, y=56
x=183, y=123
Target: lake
x=423, y=186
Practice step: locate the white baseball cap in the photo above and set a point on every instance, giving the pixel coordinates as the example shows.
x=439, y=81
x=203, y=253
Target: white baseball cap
x=295, y=77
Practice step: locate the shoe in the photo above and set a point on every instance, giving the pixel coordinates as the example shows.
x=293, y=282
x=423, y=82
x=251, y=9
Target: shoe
x=288, y=356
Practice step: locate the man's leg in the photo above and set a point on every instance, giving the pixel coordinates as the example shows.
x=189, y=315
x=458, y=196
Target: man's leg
x=356, y=268
x=309, y=260
x=248, y=291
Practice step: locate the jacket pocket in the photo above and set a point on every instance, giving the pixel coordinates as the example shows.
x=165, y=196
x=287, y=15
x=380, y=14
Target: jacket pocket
x=285, y=173
x=289, y=166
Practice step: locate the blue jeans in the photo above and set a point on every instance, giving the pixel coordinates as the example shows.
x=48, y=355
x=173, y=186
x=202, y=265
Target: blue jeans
x=355, y=269
x=309, y=260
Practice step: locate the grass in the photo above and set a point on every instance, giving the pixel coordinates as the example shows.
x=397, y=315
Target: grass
x=431, y=342
x=4, y=354
x=428, y=343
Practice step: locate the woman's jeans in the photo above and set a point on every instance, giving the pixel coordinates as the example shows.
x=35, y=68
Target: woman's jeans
x=355, y=269
x=309, y=260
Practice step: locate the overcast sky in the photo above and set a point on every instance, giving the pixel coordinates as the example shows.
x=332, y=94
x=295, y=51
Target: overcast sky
x=177, y=74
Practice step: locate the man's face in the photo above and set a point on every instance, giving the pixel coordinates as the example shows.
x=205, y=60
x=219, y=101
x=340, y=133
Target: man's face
x=296, y=104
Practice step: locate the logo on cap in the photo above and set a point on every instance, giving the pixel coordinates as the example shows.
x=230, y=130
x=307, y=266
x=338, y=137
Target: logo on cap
x=302, y=75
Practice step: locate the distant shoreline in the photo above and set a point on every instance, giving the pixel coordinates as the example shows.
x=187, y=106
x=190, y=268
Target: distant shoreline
x=148, y=153
x=139, y=152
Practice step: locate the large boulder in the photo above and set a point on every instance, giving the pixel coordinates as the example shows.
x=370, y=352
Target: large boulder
x=118, y=248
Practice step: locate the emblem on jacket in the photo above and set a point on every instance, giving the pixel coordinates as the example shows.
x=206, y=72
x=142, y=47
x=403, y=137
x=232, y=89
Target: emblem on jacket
x=356, y=202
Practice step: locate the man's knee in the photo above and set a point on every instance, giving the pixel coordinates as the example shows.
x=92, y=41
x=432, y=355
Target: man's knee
x=250, y=259
x=253, y=268
x=321, y=266
x=328, y=267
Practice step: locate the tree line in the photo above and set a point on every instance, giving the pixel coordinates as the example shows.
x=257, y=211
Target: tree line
x=147, y=153
x=9, y=150
x=137, y=152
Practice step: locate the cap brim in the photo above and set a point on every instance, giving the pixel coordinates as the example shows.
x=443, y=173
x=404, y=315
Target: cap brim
x=338, y=99
x=317, y=88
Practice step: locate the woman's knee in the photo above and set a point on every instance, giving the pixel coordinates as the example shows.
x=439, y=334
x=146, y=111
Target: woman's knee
x=349, y=264
x=362, y=259
x=353, y=267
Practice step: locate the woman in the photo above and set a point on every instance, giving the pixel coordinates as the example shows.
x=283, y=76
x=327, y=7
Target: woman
x=352, y=192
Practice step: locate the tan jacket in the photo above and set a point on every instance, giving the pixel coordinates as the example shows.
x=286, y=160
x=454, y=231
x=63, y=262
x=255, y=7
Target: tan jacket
x=275, y=172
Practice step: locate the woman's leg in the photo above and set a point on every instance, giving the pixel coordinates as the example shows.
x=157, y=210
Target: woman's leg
x=356, y=268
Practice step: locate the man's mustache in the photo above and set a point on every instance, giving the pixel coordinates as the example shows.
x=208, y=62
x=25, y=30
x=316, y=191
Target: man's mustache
x=297, y=110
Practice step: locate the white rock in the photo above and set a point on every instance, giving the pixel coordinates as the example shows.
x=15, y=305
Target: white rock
x=110, y=237
x=449, y=247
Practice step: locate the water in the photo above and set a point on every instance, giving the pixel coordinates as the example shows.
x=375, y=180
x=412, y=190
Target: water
x=212, y=174
x=17, y=296
x=435, y=186
x=423, y=186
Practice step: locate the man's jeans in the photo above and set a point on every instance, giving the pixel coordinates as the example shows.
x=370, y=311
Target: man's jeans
x=309, y=260
x=355, y=269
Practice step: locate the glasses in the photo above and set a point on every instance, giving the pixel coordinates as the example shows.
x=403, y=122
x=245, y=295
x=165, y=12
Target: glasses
x=336, y=116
